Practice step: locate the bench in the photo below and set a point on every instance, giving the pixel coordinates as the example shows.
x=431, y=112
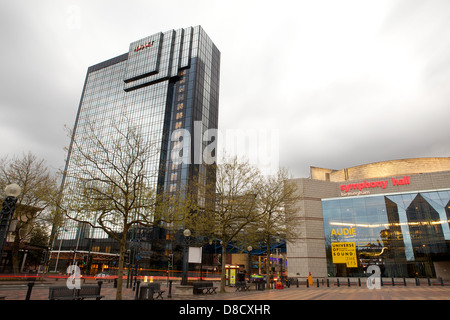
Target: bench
x=64, y=293
x=242, y=286
x=147, y=293
x=204, y=288
x=156, y=289
x=89, y=292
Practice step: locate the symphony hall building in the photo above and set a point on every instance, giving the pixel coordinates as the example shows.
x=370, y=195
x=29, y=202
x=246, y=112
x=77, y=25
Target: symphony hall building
x=393, y=214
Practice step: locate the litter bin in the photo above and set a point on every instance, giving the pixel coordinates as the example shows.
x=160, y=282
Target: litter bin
x=145, y=293
x=260, y=285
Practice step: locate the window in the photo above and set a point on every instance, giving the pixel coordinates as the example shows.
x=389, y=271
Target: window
x=402, y=233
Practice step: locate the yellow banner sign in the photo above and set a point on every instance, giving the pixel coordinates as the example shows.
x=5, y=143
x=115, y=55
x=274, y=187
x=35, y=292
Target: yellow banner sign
x=344, y=252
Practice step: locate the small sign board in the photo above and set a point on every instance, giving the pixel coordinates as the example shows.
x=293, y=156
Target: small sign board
x=344, y=252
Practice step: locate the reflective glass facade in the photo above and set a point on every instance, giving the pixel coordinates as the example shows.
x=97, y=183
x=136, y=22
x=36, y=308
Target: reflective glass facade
x=166, y=81
x=405, y=234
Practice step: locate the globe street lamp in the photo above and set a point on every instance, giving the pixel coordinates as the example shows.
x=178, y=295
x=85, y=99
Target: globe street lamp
x=187, y=238
x=12, y=191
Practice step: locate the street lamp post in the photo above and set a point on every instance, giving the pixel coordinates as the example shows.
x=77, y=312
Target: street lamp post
x=12, y=191
x=187, y=236
x=249, y=250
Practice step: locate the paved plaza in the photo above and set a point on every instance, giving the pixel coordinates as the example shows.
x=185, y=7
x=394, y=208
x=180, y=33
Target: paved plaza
x=18, y=291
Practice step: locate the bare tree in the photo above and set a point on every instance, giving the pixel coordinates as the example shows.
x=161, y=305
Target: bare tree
x=234, y=199
x=38, y=191
x=276, y=199
x=111, y=187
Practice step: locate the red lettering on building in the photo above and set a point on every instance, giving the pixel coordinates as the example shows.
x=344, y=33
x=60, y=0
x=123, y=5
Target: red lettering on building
x=374, y=184
x=142, y=46
x=400, y=182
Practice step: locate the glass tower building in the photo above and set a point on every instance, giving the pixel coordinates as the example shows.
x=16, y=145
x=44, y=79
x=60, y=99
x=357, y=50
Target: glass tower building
x=165, y=82
x=391, y=217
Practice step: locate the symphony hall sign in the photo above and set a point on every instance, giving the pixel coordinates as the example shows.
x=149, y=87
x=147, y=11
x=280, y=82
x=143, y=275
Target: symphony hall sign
x=359, y=187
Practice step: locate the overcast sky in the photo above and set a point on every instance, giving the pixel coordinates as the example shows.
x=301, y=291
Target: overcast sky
x=343, y=82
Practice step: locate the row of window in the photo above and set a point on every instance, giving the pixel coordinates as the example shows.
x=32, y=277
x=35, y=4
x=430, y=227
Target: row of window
x=179, y=118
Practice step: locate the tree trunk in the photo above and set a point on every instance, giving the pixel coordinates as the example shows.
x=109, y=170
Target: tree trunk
x=268, y=263
x=120, y=267
x=223, y=273
x=15, y=253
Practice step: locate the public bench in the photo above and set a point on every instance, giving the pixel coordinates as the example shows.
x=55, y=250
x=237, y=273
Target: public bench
x=147, y=292
x=242, y=286
x=85, y=292
x=156, y=289
x=89, y=292
x=204, y=288
x=62, y=293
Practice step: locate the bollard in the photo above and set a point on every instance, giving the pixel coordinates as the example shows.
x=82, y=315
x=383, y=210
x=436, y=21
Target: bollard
x=381, y=281
x=297, y=282
x=138, y=283
x=393, y=282
x=328, y=283
x=128, y=278
x=348, y=281
x=30, y=288
x=307, y=283
x=99, y=283
x=170, y=289
x=429, y=282
x=417, y=282
x=359, y=282
x=338, y=282
x=442, y=281
x=115, y=283
x=317, y=283
x=404, y=281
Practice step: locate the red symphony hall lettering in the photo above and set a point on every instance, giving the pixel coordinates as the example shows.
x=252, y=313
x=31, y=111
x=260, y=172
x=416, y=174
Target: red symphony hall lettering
x=374, y=184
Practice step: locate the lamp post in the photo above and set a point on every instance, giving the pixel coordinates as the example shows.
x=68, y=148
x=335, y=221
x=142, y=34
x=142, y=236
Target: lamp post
x=12, y=191
x=249, y=250
x=187, y=238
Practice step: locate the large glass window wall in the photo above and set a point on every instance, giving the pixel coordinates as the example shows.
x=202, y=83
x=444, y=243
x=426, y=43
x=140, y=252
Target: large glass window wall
x=156, y=108
x=404, y=234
